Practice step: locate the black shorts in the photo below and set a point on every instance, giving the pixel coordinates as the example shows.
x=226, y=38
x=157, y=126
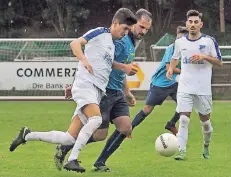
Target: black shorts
x=157, y=95
x=113, y=105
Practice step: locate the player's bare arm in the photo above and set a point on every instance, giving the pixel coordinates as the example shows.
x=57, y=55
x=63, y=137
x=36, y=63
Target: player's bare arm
x=129, y=69
x=175, y=70
x=210, y=59
x=131, y=100
x=76, y=47
x=172, y=66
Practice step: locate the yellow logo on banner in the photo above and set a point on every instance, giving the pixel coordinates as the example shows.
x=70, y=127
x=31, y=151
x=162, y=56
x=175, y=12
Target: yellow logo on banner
x=136, y=84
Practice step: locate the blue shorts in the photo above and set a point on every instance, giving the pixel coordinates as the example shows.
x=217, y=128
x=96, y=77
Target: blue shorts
x=113, y=105
x=157, y=95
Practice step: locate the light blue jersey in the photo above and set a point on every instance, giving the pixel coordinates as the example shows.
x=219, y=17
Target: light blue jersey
x=159, y=77
x=124, y=53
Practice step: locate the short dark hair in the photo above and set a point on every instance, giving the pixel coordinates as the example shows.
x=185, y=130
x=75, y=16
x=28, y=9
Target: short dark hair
x=181, y=29
x=191, y=13
x=125, y=16
x=143, y=13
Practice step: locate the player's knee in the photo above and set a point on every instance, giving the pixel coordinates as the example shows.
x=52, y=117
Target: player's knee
x=126, y=129
x=148, y=109
x=207, y=126
x=95, y=121
x=184, y=120
x=100, y=134
x=68, y=139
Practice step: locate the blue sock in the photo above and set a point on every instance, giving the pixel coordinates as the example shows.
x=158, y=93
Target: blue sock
x=112, y=144
x=138, y=119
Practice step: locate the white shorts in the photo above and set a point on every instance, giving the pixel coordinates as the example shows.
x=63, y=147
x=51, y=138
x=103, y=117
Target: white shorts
x=84, y=93
x=186, y=102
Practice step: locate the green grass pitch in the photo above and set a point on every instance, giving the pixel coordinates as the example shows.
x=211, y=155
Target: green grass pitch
x=135, y=158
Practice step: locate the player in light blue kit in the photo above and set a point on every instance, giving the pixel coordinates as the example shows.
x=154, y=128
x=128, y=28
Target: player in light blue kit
x=114, y=106
x=161, y=87
x=89, y=87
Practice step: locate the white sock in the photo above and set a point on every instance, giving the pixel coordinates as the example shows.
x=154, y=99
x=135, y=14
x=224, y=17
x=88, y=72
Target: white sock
x=84, y=135
x=182, y=134
x=55, y=137
x=207, y=130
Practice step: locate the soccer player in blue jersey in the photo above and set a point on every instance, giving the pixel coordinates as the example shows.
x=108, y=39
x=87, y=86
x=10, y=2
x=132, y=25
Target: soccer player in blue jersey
x=114, y=106
x=94, y=68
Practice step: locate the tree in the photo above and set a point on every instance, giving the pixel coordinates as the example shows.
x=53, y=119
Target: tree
x=222, y=16
x=65, y=16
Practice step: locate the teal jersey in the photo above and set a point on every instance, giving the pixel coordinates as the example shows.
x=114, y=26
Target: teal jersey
x=159, y=77
x=124, y=53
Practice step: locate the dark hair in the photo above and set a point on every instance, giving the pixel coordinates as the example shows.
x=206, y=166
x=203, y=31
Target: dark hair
x=191, y=13
x=181, y=29
x=143, y=13
x=124, y=16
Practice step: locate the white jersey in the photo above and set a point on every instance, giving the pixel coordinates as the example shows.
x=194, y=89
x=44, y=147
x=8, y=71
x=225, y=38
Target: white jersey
x=99, y=52
x=195, y=78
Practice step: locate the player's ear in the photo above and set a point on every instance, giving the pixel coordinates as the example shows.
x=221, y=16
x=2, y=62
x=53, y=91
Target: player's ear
x=186, y=23
x=202, y=24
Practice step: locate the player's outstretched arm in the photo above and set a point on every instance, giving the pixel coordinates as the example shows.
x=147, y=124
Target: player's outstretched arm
x=76, y=47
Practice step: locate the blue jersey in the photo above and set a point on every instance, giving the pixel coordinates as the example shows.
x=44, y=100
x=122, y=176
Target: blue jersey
x=124, y=53
x=159, y=77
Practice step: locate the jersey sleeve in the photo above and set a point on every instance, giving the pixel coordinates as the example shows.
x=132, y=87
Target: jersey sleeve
x=176, y=53
x=168, y=54
x=119, y=47
x=92, y=33
x=214, y=49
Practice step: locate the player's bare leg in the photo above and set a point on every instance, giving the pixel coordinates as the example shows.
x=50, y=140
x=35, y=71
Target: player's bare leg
x=207, y=130
x=92, y=113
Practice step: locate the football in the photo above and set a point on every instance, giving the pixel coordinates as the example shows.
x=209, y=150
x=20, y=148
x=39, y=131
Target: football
x=166, y=144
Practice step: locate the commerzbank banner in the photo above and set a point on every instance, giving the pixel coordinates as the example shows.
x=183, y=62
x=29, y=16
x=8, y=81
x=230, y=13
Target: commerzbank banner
x=57, y=75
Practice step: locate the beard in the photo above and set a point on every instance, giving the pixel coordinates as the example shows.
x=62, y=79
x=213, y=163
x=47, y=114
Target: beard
x=193, y=33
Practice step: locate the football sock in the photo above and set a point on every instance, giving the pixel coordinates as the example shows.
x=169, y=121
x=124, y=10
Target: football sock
x=112, y=144
x=182, y=134
x=55, y=137
x=84, y=135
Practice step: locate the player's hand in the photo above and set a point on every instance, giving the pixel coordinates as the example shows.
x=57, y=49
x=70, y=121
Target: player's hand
x=87, y=66
x=131, y=100
x=169, y=74
x=131, y=69
x=68, y=94
x=197, y=57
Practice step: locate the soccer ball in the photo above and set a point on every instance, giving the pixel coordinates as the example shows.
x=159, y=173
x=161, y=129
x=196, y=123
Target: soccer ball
x=166, y=144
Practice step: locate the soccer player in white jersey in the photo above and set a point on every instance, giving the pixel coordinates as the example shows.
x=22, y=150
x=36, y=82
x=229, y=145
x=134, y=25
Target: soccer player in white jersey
x=198, y=53
x=91, y=79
